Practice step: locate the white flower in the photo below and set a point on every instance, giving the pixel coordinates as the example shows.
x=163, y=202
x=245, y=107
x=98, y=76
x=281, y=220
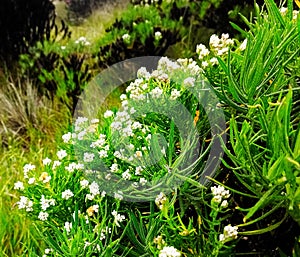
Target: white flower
x=217, y=198
x=28, y=167
x=169, y=251
x=160, y=200
x=283, y=10
x=19, y=186
x=117, y=154
x=94, y=188
x=157, y=35
x=229, y=233
x=84, y=183
x=214, y=61
x=142, y=73
x=143, y=181
x=116, y=125
x=71, y=167
x=108, y=114
x=25, y=203
x=81, y=135
x=189, y=82
x=47, y=250
x=136, y=125
x=214, y=40
x=220, y=190
x=138, y=170
x=98, y=143
x=88, y=157
x=102, y=153
x=127, y=132
x=61, y=154
x=123, y=96
x=46, y=203
x=67, y=137
x=126, y=175
x=174, y=94
x=114, y=167
x=204, y=64
x=67, y=194
x=295, y=14
x=224, y=204
x=118, y=195
x=118, y=218
x=126, y=38
x=46, y=161
x=68, y=226
x=243, y=45
x=156, y=92
x=90, y=197
x=56, y=164
x=31, y=181
x=202, y=51
x=43, y=216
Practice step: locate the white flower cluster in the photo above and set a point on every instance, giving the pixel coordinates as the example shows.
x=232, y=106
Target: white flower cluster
x=169, y=251
x=118, y=217
x=220, y=195
x=19, y=186
x=47, y=251
x=28, y=167
x=25, y=203
x=284, y=11
x=157, y=35
x=61, y=154
x=67, y=194
x=46, y=203
x=74, y=166
x=229, y=233
x=68, y=226
x=218, y=47
x=126, y=38
x=43, y=216
x=82, y=41
x=160, y=200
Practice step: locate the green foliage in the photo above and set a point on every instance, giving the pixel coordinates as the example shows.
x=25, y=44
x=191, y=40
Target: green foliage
x=259, y=88
x=23, y=24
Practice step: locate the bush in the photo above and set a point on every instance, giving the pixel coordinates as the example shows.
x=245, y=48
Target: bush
x=22, y=24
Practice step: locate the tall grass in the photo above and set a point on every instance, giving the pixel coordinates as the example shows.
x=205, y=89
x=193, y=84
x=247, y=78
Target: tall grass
x=29, y=124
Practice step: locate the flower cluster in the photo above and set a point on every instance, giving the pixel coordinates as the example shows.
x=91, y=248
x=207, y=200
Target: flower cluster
x=229, y=233
x=218, y=47
x=118, y=217
x=126, y=38
x=125, y=151
x=284, y=11
x=169, y=251
x=157, y=35
x=220, y=195
x=82, y=41
x=161, y=200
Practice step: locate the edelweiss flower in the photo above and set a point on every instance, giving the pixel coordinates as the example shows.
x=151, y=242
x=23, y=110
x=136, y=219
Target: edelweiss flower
x=169, y=251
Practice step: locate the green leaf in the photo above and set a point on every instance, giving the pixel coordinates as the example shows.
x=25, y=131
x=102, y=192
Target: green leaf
x=264, y=200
